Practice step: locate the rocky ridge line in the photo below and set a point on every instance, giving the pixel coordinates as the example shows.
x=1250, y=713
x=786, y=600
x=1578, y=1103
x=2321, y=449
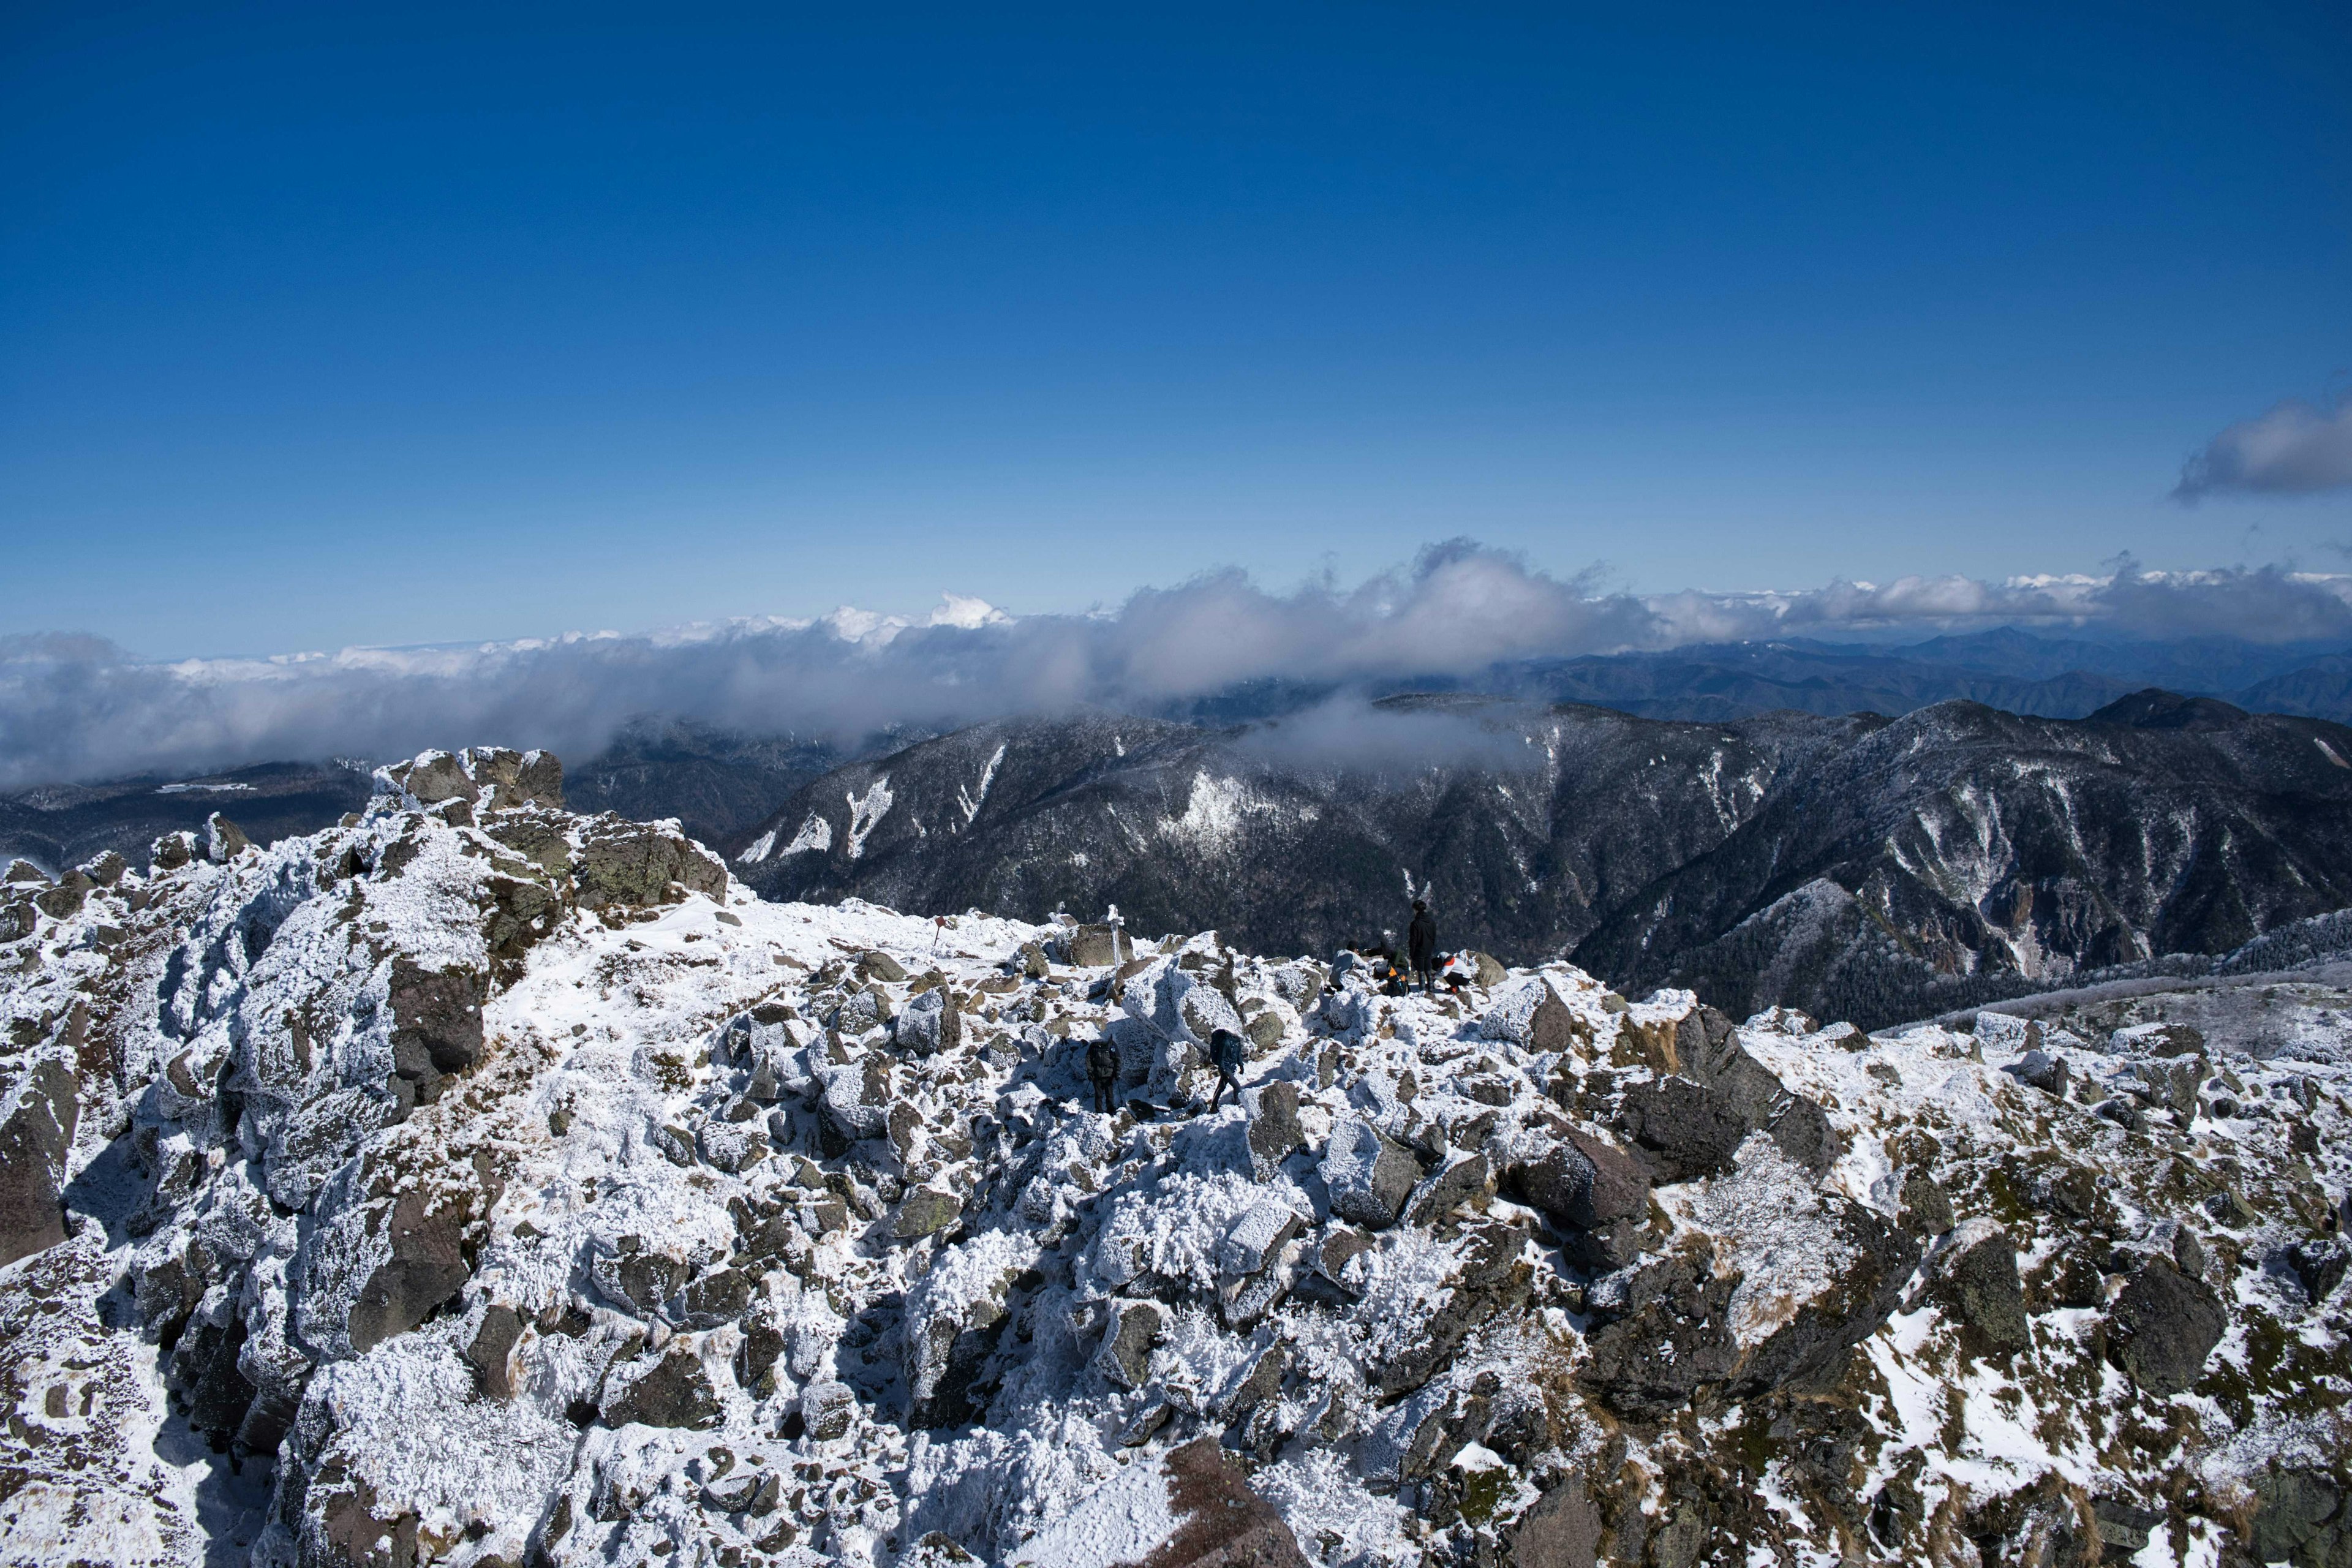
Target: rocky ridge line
x=511, y=1186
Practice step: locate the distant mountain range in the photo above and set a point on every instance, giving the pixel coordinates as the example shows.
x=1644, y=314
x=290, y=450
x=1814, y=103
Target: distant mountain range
x=1860, y=867
x=1872, y=832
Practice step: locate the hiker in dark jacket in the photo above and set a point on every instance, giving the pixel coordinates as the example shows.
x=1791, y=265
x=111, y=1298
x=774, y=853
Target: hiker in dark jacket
x=1102, y=1071
x=1226, y=1056
x=1421, y=945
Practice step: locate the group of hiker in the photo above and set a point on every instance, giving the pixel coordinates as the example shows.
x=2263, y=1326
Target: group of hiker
x=1228, y=1051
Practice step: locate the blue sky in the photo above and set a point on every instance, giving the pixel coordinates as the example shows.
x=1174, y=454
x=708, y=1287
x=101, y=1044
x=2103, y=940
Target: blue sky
x=337, y=324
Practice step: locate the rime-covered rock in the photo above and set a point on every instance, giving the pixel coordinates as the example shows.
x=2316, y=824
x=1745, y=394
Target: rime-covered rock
x=506, y=1196
x=1369, y=1175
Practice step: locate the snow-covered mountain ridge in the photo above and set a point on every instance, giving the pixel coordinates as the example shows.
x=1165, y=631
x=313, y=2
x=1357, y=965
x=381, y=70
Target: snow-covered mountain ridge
x=482, y=1182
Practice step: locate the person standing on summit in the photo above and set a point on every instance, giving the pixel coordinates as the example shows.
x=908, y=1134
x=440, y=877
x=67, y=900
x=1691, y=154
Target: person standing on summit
x=1421, y=945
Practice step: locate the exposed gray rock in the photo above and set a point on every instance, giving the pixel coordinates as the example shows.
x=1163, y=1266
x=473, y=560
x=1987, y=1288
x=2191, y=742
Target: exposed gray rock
x=638, y=1279
x=827, y=1409
x=1975, y=1275
x=2041, y=1070
x=1464, y=1179
x=1273, y=1129
x=676, y=1391
x=1683, y=1129
x=633, y=864
x=436, y=1019
x=2163, y=1326
x=1098, y=947
x=2300, y=1518
x=925, y=1211
x=427, y=1267
x=491, y=1352
x=34, y=1140
x=1926, y=1210
x=1133, y=1329
x=65, y=900
x=1803, y=1132
x=224, y=839
x=434, y=777
x=2319, y=1264
x=1562, y=1531
x=1593, y=1189
x=855, y=1098
x=1665, y=1333
x=1530, y=1015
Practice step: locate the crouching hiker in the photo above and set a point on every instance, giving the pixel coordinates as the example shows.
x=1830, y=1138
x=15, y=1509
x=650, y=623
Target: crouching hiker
x=1458, y=971
x=1226, y=1056
x=1102, y=1071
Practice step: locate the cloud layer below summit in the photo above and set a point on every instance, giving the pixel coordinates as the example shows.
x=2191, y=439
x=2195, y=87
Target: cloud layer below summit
x=75, y=707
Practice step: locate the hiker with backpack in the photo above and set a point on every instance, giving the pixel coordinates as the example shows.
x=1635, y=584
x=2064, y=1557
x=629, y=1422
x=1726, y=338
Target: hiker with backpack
x=1226, y=1054
x=1102, y=1072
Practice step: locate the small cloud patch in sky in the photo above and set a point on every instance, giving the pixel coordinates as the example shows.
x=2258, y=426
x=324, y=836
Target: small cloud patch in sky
x=2297, y=449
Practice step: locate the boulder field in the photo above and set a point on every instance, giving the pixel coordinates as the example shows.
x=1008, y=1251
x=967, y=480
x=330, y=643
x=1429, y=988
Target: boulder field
x=484, y=1183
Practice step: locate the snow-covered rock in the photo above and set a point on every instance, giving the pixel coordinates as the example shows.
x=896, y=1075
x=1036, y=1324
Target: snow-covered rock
x=495, y=1184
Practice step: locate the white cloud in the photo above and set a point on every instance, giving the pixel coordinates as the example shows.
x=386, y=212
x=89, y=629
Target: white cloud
x=2295, y=449
x=75, y=707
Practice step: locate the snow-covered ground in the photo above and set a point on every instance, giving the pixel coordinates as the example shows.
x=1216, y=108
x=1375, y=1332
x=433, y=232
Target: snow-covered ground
x=477, y=1183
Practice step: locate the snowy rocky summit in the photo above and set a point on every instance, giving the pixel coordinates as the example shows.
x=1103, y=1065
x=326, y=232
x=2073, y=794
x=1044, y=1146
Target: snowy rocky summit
x=478, y=1183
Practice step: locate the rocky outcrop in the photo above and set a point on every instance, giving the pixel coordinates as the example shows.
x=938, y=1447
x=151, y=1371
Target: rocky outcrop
x=36, y=1134
x=503, y=1224
x=1976, y=1275
x=2163, y=1326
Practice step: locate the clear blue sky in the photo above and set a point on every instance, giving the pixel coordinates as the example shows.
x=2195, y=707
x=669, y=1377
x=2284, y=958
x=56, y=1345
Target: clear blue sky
x=340, y=323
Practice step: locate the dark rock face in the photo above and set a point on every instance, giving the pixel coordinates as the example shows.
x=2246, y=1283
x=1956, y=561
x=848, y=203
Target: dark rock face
x=924, y=1212
x=1665, y=1333
x=929, y=1023
x=65, y=900
x=1977, y=1276
x=631, y=864
x=1273, y=1129
x=2162, y=1327
x=2300, y=1518
x=1126, y=1354
x=2319, y=1265
x=33, y=1145
x=1593, y=1190
x=675, y=1393
x=427, y=1268
x=1562, y=1531
x=1460, y=1181
x=436, y=1019
x=490, y=1350
x=1683, y=1128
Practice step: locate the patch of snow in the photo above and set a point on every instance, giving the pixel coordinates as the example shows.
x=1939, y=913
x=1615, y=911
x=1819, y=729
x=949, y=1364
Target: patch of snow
x=865, y=813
